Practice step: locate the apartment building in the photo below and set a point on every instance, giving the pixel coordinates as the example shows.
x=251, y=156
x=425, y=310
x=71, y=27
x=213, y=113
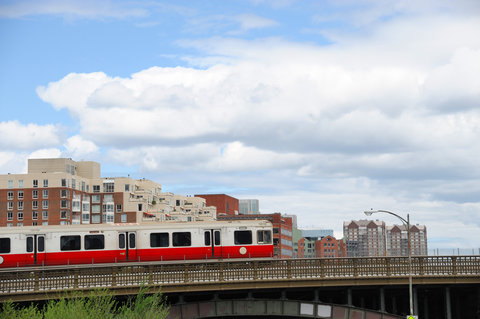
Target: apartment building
x=61, y=191
x=330, y=247
x=364, y=238
x=397, y=240
x=374, y=238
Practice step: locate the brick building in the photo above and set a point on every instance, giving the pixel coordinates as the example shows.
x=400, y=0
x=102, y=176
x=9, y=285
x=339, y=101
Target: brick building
x=329, y=246
x=226, y=205
x=61, y=191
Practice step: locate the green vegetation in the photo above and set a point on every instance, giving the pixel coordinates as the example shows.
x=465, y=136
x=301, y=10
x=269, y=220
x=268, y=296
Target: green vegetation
x=99, y=304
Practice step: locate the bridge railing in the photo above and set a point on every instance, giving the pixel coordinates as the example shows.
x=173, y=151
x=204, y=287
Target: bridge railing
x=117, y=276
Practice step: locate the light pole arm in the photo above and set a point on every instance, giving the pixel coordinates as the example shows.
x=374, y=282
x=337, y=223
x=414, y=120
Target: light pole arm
x=404, y=221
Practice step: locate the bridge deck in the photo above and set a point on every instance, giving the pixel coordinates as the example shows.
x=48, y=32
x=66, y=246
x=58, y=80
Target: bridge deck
x=41, y=283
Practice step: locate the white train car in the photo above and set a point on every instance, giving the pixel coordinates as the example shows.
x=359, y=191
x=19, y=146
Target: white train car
x=106, y=243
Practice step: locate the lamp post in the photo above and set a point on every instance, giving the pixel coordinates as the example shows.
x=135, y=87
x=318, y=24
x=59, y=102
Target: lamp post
x=406, y=222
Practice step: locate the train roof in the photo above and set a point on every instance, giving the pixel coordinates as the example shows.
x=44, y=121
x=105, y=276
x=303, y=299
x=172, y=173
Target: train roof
x=133, y=226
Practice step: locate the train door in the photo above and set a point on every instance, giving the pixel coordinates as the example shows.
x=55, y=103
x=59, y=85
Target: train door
x=127, y=245
x=213, y=243
x=35, y=249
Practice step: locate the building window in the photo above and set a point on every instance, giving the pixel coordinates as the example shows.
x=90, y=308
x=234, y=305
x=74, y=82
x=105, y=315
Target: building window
x=45, y=204
x=34, y=194
x=119, y=208
x=34, y=223
x=20, y=205
x=85, y=218
x=63, y=214
x=108, y=187
x=20, y=194
x=20, y=183
x=10, y=206
x=19, y=224
x=83, y=186
x=140, y=207
x=63, y=193
x=63, y=203
x=64, y=182
x=124, y=218
x=9, y=215
x=10, y=184
x=45, y=183
x=95, y=198
x=95, y=209
x=10, y=195
x=44, y=223
x=127, y=187
x=95, y=219
x=35, y=183
x=20, y=215
x=74, y=183
x=45, y=215
x=34, y=215
x=45, y=193
x=96, y=188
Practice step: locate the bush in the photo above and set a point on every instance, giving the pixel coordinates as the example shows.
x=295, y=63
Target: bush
x=99, y=304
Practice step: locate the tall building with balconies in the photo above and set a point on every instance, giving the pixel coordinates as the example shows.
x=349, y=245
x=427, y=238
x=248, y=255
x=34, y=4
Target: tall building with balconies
x=397, y=240
x=364, y=238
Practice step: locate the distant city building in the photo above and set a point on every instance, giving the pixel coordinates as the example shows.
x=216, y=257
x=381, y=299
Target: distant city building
x=282, y=231
x=248, y=206
x=397, y=240
x=294, y=219
x=225, y=204
x=364, y=238
x=306, y=247
x=296, y=236
x=373, y=238
x=317, y=232
x=60, y=191
x=330, y=247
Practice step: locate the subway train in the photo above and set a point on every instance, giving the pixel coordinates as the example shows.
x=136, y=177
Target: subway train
x=115, y=243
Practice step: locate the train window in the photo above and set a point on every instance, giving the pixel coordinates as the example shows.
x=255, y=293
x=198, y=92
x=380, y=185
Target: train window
x=121, y=241
x=242, y=237
x=41, y=244
x=131, y=240
x=70, y=242
x=4, y=245
x=207, y=238
x=94, y=242
x=217, y=237
x=29, y=244
x=264, y=237
x=159, y=240
x=182, y=239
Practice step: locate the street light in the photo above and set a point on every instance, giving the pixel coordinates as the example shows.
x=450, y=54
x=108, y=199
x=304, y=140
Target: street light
x=406, y=222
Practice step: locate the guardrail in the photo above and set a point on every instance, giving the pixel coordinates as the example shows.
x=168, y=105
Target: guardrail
x=47, y=282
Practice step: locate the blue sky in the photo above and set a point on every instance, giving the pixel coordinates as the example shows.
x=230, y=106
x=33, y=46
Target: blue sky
x=317, y=108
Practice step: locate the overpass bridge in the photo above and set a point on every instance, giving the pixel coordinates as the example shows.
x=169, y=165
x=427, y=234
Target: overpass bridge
x=357, y=280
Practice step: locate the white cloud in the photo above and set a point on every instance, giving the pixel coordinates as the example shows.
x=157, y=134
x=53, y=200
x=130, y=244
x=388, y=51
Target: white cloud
x=17, y=136
x=251, y=21
x=386, y=117
x=79, y=148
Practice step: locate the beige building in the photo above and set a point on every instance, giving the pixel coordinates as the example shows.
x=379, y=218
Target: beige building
x=397, y=240
x=63, y=191
x=364, y=238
